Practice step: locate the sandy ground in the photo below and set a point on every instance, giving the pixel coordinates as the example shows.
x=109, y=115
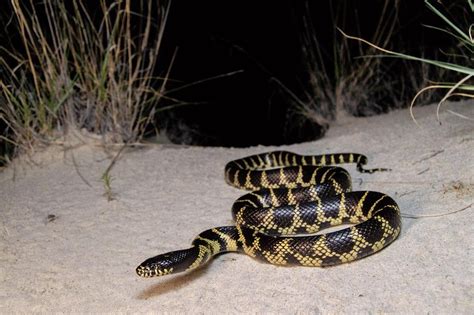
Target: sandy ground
x=65, y=248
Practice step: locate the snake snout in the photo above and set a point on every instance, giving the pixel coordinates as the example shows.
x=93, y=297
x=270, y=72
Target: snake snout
x=155, y=267
x=168, y=263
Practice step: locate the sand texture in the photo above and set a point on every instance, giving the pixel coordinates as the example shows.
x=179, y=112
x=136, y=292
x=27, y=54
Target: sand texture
x=65, y=248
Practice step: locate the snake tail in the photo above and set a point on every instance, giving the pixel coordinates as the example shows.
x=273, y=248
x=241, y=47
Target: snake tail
x=259, y=167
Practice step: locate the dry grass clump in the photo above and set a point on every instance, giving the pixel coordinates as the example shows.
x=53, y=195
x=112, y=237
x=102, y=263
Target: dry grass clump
x=362, y=83
x=69, y=67
x=458, y=60
x=351, y=84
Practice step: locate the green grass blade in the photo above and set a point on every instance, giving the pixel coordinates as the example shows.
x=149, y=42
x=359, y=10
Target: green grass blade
x=441, y=15
x=441, y=64
x=467, y=43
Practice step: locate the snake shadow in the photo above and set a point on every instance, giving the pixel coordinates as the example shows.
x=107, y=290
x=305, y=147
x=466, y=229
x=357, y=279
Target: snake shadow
x=171, y=283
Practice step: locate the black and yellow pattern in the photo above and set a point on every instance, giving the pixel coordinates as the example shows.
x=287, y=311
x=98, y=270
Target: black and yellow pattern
x=293, y=195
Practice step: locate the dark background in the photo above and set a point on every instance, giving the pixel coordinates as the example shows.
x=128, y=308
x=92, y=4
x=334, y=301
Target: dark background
x=260, y=42
x=263, y=39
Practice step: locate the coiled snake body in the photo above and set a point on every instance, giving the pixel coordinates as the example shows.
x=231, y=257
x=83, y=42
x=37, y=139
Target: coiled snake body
x=292, y=195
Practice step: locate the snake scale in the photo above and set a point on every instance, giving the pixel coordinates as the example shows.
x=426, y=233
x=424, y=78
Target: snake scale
x=292, y=195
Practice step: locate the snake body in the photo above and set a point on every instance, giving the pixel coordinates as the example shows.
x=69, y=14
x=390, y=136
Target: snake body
x=292, y=195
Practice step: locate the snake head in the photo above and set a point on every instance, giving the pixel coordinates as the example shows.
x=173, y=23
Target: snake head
x=152, y=270
x=166, y=264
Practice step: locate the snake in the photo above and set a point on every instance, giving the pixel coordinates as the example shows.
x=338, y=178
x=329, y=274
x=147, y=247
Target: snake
x=292, y=199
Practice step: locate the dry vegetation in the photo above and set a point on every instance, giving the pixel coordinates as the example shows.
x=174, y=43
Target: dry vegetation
x=459, y=58
x=73, y=68
x=342, y=84
x=361, y=83
x=70, y=68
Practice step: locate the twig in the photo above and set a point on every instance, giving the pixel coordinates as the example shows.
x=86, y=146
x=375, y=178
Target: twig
x=76, y=167
x=429, y=157
x=423, y=171
x=406, y=193
x=397, y=182
x=457, y=85
x=419, y=216
x=106, y=178
x=460, y=115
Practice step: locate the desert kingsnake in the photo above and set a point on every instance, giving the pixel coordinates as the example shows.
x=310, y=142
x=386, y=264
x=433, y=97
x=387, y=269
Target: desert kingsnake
x=292, y=195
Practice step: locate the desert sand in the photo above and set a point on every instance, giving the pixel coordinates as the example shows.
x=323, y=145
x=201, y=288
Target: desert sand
x=64, y=248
